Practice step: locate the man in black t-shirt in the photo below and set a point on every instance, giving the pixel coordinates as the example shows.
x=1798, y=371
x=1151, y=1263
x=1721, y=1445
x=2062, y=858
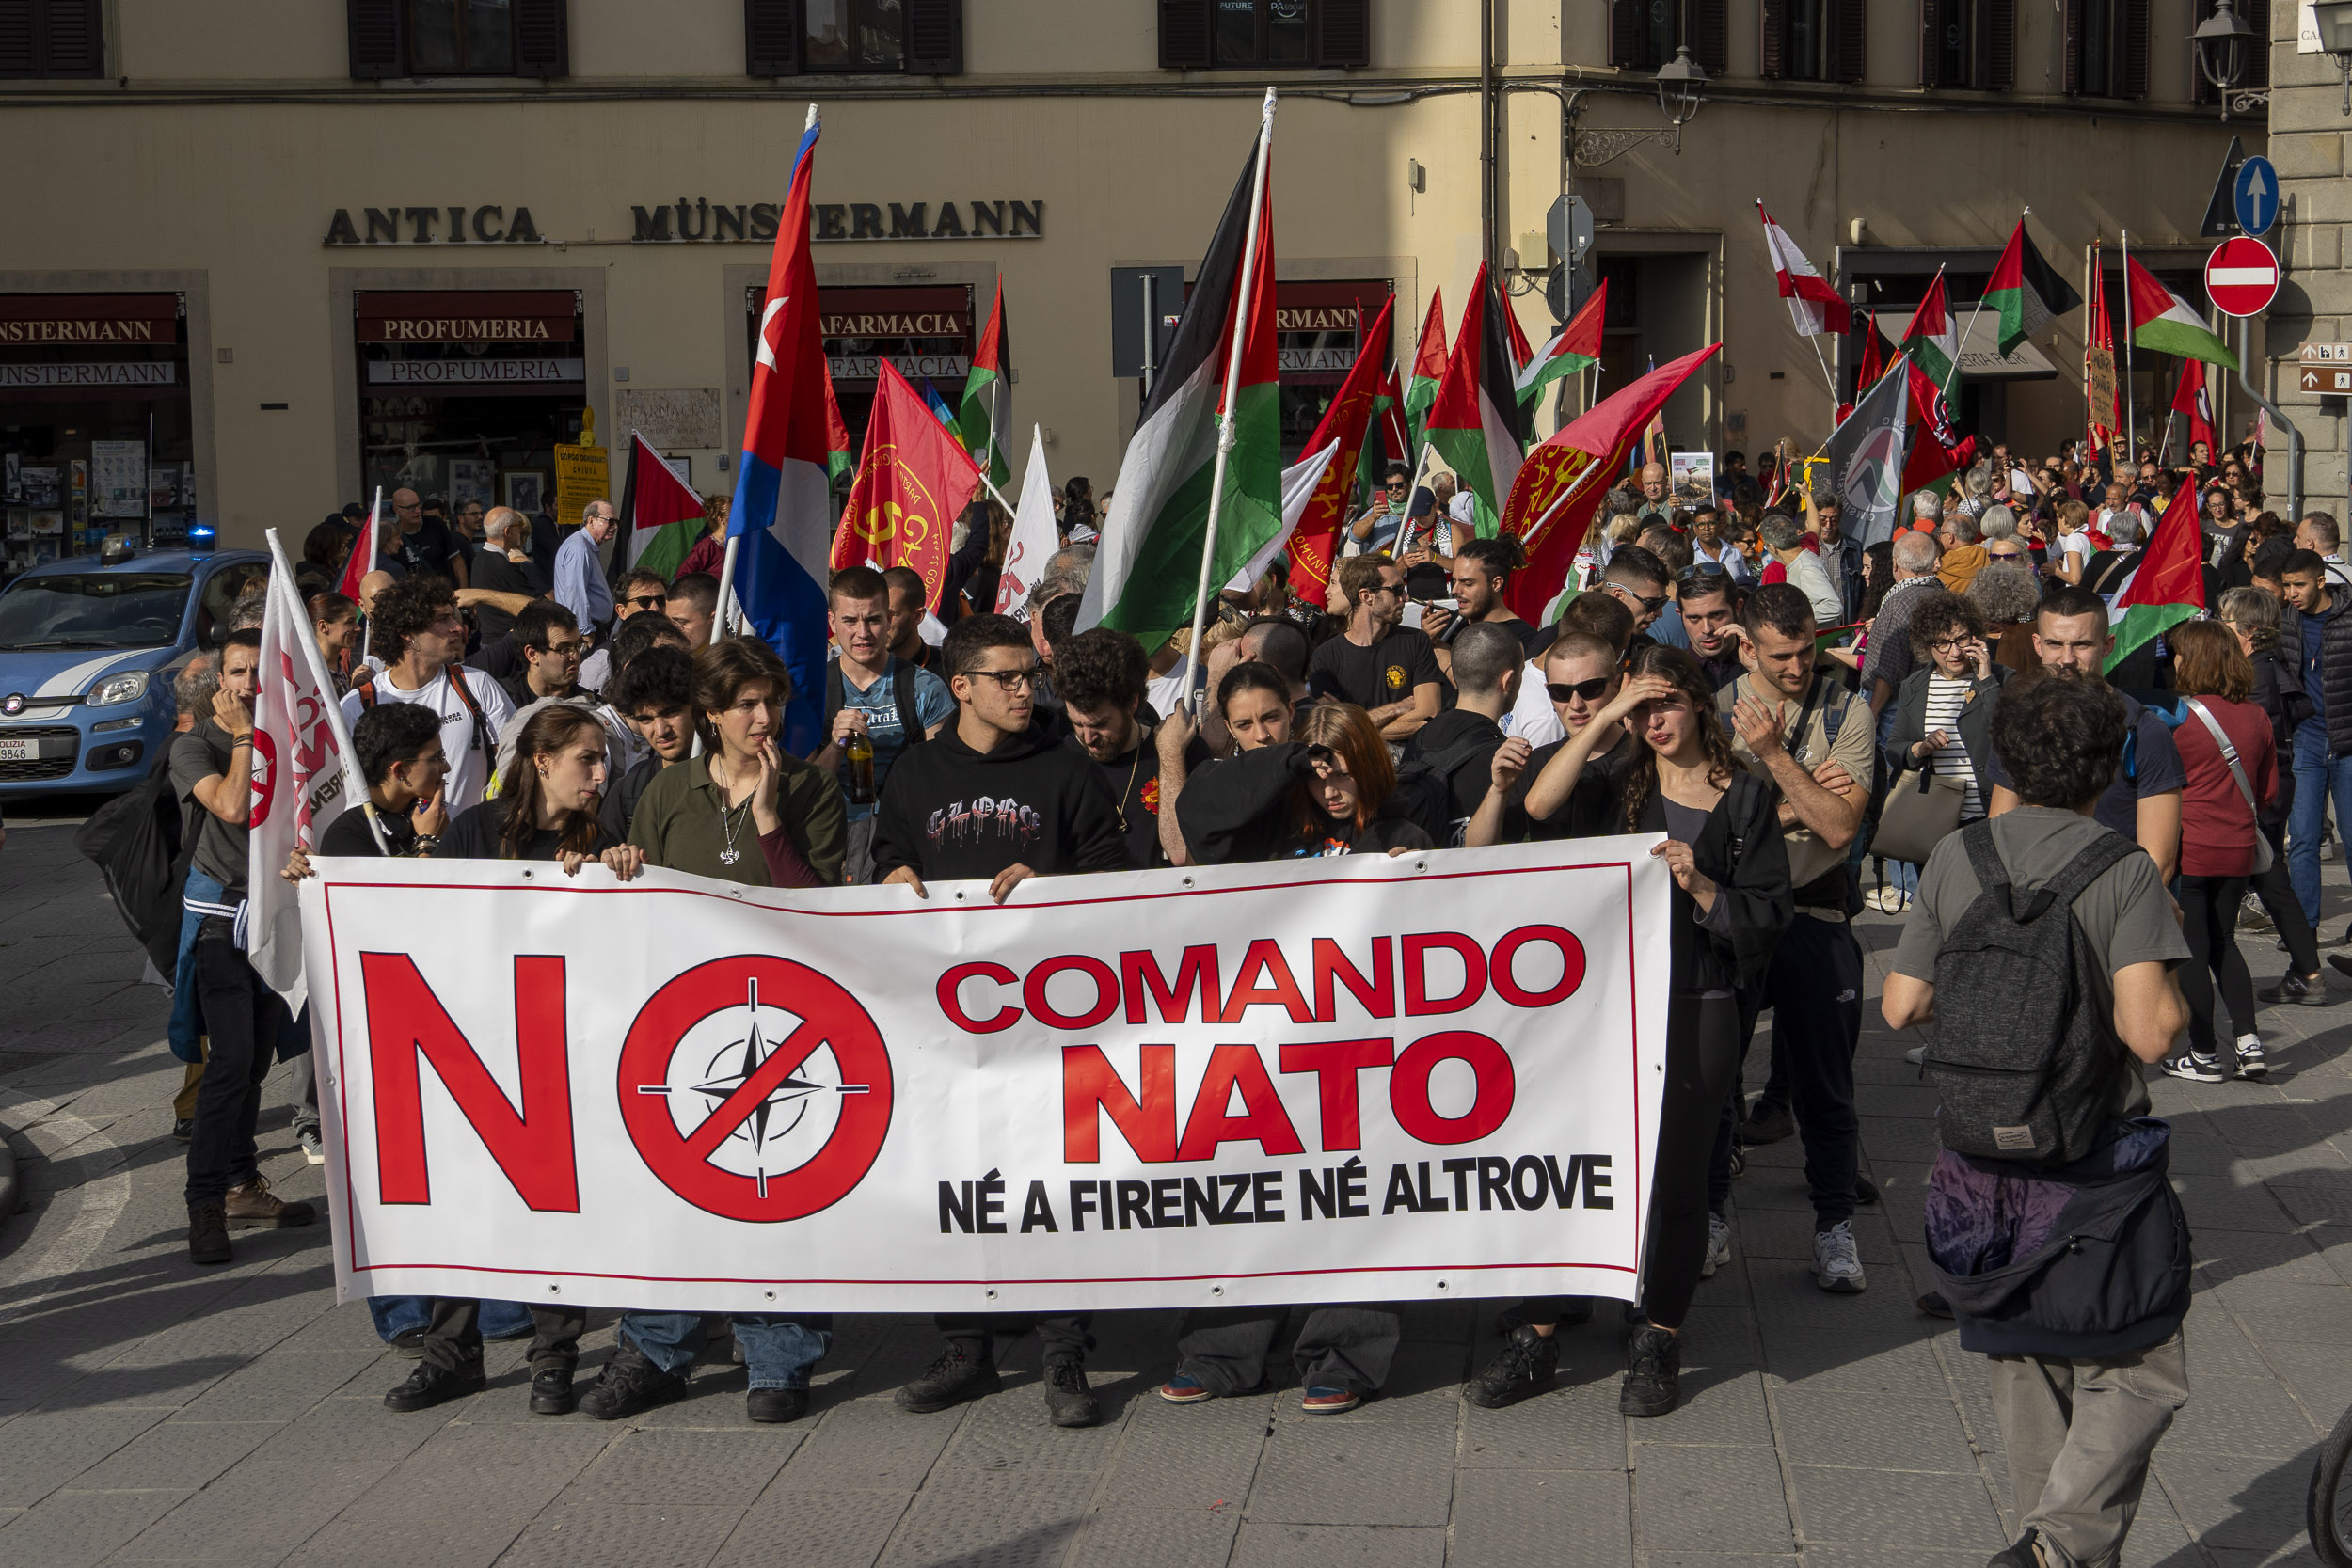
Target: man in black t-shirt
x=1481, y=575
x=1583, y=674
x=423, y=543
x=1388, y=669
x=1102, y=673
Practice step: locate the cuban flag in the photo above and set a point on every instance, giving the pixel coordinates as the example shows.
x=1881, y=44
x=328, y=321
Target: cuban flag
x=780, y=530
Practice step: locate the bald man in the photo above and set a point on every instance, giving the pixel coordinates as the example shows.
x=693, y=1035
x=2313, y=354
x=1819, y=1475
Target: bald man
x=1655, y=506
x=426, y=544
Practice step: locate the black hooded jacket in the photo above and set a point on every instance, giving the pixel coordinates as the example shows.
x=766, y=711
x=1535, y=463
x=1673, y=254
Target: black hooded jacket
x=954, y=813
x=1238, y=810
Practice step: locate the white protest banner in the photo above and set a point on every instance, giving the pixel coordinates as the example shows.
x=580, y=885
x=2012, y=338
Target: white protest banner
x=1365, y=1078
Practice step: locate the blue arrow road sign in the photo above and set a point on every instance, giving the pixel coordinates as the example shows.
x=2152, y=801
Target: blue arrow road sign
x=2256, y=196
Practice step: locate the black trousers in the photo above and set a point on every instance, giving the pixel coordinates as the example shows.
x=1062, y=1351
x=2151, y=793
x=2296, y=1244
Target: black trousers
x=242, y=1017
x=452, y=1338
x=2209, y=910
x=2276, y=889
x=1062, y=1335
x=1703, y=1041
x=1338, y=1347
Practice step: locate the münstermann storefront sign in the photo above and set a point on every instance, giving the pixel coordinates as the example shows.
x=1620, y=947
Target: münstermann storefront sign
x=700, y=220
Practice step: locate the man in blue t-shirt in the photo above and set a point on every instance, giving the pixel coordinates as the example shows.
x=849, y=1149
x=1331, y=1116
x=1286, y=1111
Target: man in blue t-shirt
x=869, y=692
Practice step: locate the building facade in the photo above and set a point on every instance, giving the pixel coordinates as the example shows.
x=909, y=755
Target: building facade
x=289, y=250
x=2313, y=315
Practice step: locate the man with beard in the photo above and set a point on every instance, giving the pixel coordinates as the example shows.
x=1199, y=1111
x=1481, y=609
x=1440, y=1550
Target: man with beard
x=1101, y=674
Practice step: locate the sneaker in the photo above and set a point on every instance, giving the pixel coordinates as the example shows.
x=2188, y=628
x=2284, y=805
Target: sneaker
x=1767, y=1122
x=775, y=1406
x=1524, y=1369
x=2327, y=848
x=2299, y=991
x=183, y=1129
x=208, y=1235
x=551, y=1392
x=1888, y=900
x=1319, y=1400
x=1837, y=1261
x=2196, y=1069
x=408, y=1343
x=429, y=1385
x=1069, y=1402
x=312, y=1149
x=2021, y=1554
x=1653, y=1373
x=1717, y=1246
x=628, y=1383
x=2251, y=1063
x=1181, y=1390
x=948, y=1381
x=254, y=1207
x=2251, y=916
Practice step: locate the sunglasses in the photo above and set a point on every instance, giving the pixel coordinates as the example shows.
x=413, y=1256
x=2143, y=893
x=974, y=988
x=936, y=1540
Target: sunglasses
x=1702, y=574
x=1582, y=691
x=1398, y=485
x=649, y=601
x=1648, y=606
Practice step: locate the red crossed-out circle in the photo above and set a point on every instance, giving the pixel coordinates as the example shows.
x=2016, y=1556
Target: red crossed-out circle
x=682, y=1160
x=264, y=778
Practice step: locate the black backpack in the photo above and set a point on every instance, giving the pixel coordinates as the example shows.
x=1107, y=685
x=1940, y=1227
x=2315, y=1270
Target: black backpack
x=2023, y=1057
x=141, y=846
x=902, y=674
x=1424, y=790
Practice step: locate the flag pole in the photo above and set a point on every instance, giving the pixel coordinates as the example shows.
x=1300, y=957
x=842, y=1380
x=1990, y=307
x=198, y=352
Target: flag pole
x=367, y=624
x=2130, y=406
x=1233, y=391
x=1962, y=348
x=334, y=714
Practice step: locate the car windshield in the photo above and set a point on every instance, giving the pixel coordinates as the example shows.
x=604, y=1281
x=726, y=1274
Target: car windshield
x=93, y=610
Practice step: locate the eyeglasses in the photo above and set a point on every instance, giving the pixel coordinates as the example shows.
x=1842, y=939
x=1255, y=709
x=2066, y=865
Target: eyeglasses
x=649, y=601
x=1007, y=681
x=1950, y=645
x=1582, y=691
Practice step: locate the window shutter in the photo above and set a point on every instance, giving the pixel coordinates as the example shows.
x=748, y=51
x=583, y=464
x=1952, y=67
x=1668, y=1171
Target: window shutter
x=935, y=36
x=1998, y=52
x=1849, y=41
x=19, y=56
x=2071, y=80
x=543, y=41
x=2133, y=74
x=1184, y=35
x=772, y=37
x=2200, y=90
x=1710, y=35
x=1343, y=33
x=74, y=45
x=1930, y=43
x=2258, y=62
x=1772, y=35
x=374, y=38
x=1625, y=34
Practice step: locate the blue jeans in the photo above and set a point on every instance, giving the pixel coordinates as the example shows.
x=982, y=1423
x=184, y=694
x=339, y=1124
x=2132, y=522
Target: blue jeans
x=397, y=1315
x=2317, y=776
x=779, y=1350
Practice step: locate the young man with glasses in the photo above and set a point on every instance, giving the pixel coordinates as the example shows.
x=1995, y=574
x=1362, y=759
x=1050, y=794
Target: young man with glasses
x=1386, y=669
x=993, y=799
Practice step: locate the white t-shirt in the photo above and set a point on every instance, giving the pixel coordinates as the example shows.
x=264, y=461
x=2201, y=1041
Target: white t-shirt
x=1532, y=718
x=2078, y=543
x=469, y=757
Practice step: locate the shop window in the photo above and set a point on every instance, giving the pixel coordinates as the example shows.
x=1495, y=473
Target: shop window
x=788, y=37
x=51, y=37
x=2106, y=47
x=1205, y=35
x=1968, y=43
x=459, y=38
x=1813, y=40
x=1645, y=34
x=464, y=396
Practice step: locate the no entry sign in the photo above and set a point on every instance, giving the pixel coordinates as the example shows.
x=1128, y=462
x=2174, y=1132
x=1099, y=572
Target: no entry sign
x=2242, y=277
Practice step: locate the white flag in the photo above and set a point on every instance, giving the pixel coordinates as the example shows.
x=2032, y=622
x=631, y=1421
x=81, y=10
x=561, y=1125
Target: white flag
x=304, y=777
x=1298, y=488
x=1034, y=536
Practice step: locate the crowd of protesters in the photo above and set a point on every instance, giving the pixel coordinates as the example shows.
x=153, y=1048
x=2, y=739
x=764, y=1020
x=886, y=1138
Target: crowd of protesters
x=1730, y=669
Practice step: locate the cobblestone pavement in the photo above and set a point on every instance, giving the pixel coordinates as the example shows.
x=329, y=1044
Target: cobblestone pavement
x=151, y=1412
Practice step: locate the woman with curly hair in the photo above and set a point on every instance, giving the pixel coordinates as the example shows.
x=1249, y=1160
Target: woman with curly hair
x=1731, y=901
x=2007, y=595
x=1944, y=715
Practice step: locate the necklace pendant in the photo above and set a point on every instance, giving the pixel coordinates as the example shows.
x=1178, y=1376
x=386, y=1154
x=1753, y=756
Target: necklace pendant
x=728, y=857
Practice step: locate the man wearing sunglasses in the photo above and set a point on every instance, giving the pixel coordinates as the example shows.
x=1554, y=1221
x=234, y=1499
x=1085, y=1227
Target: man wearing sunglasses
x=1389, y=669
x=642, y=593
x=1376, y=528
x=1581, y=675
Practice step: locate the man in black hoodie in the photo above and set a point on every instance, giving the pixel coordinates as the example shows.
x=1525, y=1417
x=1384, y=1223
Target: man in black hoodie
x=993, y=798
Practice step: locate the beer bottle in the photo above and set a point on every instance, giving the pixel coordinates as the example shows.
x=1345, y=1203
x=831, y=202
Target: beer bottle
x=859, y=750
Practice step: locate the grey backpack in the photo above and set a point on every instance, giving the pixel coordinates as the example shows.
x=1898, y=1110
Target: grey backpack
x=2023, y=1057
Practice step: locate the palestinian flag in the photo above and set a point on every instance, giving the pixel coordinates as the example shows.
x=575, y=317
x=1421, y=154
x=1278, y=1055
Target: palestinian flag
x=1522, y=352
x=839, y=459
x=2024, y=292
x=2163, y=321
x=1476, y=423
x=1574, y=348
x=982, y=415
x=1428, y=364
x=1929, y=340
x=2167, y=586
x=660, y=515
x=1147, y=565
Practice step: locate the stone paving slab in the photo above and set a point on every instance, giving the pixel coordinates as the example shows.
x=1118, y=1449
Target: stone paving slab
x=151, y=1413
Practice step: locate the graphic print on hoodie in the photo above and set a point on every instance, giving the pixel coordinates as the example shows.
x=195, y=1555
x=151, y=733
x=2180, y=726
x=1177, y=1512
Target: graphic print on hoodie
x=952, y=813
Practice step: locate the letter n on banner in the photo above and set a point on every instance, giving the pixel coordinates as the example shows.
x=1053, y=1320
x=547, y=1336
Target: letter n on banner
x=1090, y=1084
x=534, y=1148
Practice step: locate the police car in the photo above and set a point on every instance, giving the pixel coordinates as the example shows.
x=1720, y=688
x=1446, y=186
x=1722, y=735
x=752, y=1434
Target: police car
x=89, y=648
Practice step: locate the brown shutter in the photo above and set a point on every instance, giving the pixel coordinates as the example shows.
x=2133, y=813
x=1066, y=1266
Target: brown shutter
x=1998, y=51
x=1930, y=43
x=1342, y=33
x=1849, y=41
x=74, y=46
x=1625, y=34
x=2133, y=73
x=1710, y=35
x=1185, y=35
x=935, y=36
x=772, y=37
x=543, y=40
x=2258, y=65
x=2071, y=80
x=375, y=38
x=1772, y=38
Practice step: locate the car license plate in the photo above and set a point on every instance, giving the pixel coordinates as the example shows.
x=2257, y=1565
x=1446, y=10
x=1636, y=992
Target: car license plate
x=19, y=749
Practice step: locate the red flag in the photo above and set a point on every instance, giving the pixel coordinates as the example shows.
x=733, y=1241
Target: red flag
x=1346, y=421
x=913, y=480
x=1522, y=352
x=2103, y=403
x=2194, y=403
x=1560, y=485
x=1935, y=451
x=362, y=557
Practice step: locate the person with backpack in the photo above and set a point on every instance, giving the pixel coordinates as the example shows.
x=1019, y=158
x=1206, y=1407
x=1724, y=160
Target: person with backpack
x=1458, y=745
x=871, y=693
x=2042, y=947
x=416, y=630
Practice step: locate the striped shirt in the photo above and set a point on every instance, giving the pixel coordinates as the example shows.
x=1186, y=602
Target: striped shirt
x=1945, y=698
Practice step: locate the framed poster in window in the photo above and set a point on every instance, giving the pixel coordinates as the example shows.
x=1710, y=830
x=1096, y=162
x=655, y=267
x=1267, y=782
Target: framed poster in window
x=472, y=480
x=523, y=488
